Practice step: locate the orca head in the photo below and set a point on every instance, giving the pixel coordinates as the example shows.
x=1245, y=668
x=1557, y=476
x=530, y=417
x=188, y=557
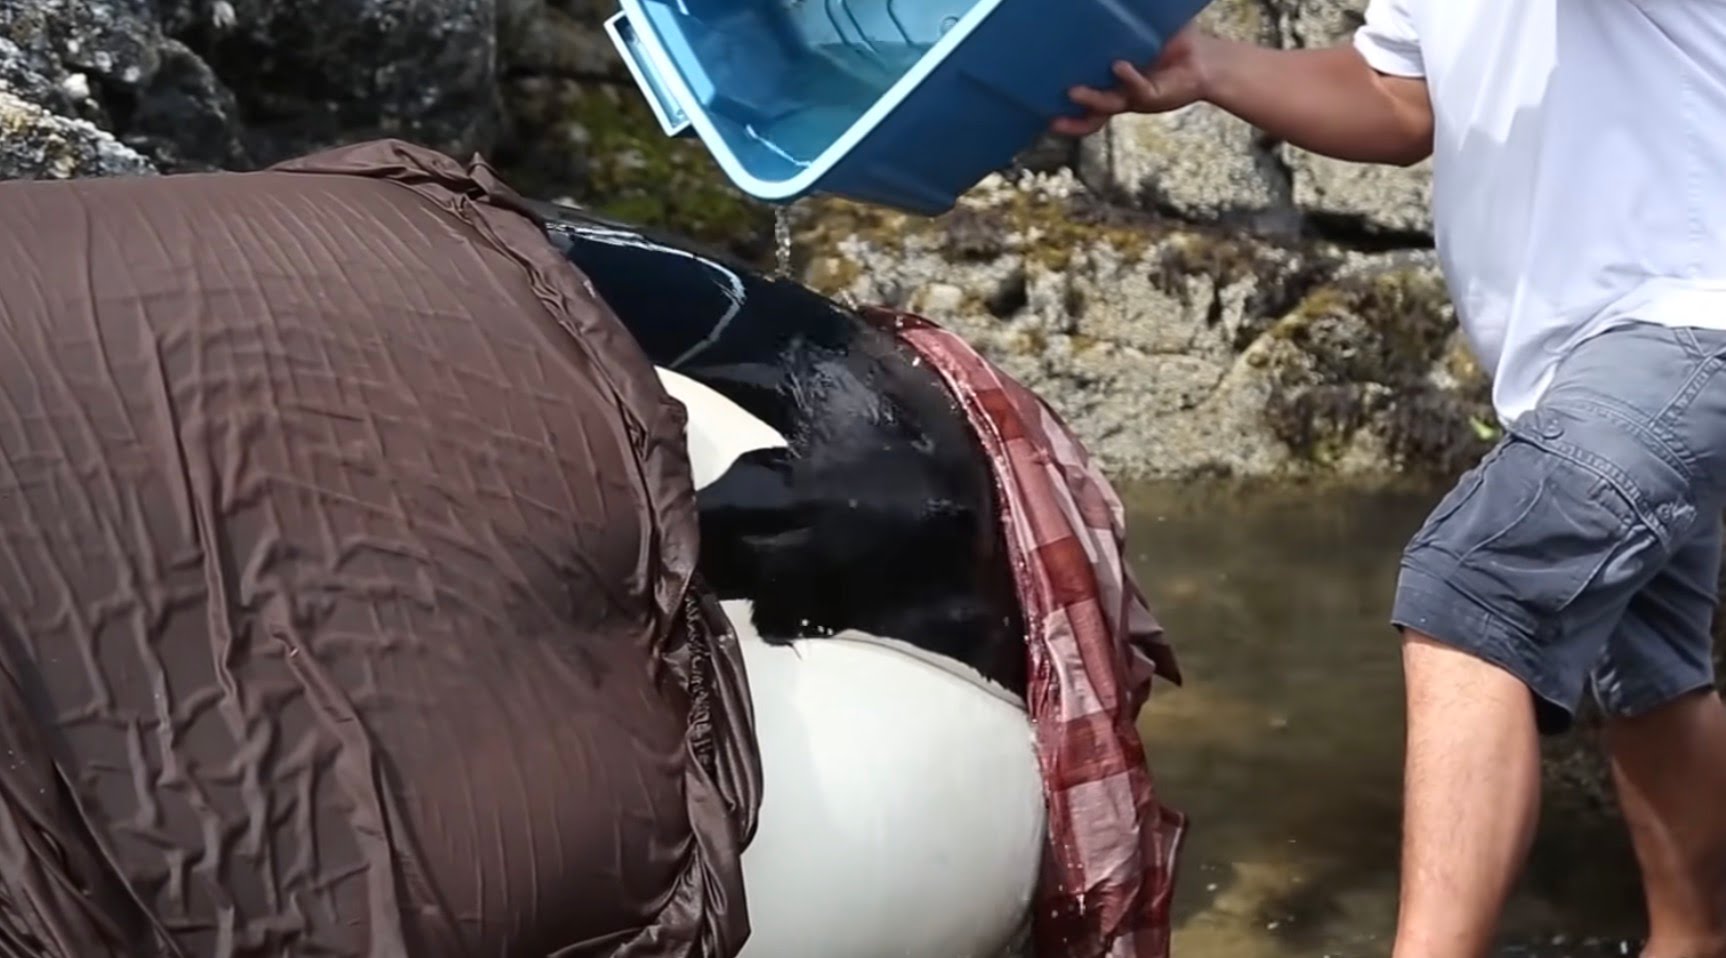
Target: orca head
x=839, y=485
x=864, y=518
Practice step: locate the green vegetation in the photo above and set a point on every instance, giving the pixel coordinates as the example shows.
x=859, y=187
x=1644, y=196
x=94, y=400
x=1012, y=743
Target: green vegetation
x=598, y=144
x=1360, y=351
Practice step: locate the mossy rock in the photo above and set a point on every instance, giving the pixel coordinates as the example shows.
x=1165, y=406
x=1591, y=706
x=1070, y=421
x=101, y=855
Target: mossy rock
x=1041, y=220
x=1279, y=275
x=599, y=145
x=1359, y=352
x=1246, y=20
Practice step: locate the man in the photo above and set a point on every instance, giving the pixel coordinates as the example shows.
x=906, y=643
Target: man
x=1579, y=198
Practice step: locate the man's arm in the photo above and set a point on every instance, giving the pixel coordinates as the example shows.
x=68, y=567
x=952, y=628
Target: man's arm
x=1328, y=101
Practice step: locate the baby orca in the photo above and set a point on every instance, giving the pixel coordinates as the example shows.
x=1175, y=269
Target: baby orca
x=877, y=513
x=849, y=522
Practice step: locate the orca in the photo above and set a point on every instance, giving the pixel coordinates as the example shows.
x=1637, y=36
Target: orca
x=877, y=509
x=850, y=526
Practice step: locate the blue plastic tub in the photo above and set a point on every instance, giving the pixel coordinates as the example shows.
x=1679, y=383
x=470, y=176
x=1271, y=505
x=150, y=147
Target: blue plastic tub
x=904, y=103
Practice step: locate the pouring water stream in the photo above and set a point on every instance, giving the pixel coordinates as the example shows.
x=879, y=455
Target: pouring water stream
x=782, y=241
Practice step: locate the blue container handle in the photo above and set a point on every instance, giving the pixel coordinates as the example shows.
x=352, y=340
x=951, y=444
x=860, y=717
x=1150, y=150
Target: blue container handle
x=673, y=119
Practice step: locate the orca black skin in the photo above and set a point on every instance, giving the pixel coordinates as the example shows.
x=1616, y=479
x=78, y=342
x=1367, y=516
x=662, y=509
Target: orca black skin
x=882, y=514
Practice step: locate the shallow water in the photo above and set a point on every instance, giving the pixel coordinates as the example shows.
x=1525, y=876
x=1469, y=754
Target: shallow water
x=1285, y=744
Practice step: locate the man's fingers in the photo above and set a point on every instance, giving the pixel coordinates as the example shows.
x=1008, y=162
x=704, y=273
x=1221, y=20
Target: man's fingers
x=1136, y=91
x=1098, y=101
x=1079, y=125
x=1139, y=90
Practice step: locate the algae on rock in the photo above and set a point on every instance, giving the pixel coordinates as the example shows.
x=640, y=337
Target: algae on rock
x=597, y=144
x=1177, y=349
x=1373, y=358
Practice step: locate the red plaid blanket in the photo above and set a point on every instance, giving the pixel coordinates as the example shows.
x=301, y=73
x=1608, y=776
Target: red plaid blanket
x=1108, y=868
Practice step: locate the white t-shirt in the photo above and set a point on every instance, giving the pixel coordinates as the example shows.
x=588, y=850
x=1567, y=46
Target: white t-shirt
x=1579, y=167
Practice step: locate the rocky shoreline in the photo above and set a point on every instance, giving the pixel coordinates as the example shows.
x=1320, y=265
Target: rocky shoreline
x=1179, y=349
x=1197, y=300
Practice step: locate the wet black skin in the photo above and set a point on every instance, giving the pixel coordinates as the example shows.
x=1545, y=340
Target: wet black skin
x=881, y=516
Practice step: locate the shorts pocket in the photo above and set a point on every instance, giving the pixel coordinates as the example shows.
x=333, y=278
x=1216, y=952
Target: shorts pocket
x=1459, y=495
x=1537, y=533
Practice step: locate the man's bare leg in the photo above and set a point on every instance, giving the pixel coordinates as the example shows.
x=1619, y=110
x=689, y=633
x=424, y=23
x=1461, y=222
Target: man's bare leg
x=1471, y=798
x=1670, y=770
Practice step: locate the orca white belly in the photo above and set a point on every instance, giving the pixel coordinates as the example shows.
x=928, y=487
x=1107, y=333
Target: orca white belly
x=902, y=809
x=902, y=806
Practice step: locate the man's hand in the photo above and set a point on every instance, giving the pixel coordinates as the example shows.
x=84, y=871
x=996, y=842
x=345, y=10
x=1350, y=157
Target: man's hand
x=1326, y=100
x=1172, y=82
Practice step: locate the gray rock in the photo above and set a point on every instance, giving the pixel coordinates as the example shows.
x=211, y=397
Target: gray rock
x=566, y=41
x=1372, y=197
x=1177, y=350
x=1201, y=163
x=518, y=21
x=1198, y=162
x=108, y=62
x=314, y=73
x=1250, y=21
x=1316, y=23
x=37, y=144
x=33, y=76
x=173, y=79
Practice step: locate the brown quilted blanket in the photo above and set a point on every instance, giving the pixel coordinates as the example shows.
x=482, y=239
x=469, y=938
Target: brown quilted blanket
x=346, y=544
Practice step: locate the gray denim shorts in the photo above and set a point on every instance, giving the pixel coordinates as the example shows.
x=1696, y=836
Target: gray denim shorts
x=1584, y=549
